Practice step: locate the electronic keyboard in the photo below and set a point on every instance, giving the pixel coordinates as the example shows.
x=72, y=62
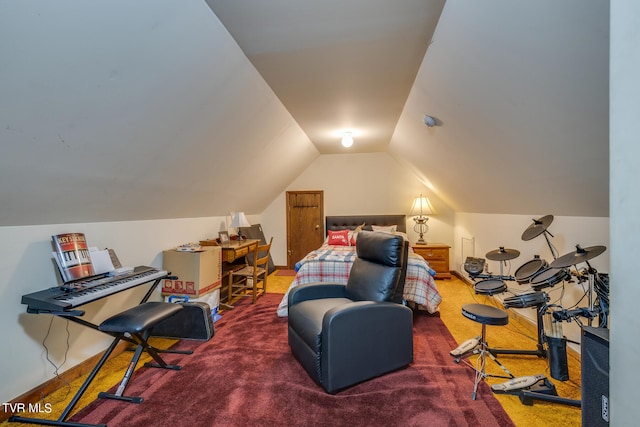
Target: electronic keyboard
x=71, y=295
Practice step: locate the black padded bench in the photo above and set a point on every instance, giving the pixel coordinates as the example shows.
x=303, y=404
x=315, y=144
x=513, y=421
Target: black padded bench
x=134, y=325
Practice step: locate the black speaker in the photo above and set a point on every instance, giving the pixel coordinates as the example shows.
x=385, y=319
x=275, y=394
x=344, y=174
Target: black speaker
x=594, y=358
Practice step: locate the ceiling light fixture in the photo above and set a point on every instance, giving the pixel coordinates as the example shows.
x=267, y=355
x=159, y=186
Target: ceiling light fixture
x=347, y=140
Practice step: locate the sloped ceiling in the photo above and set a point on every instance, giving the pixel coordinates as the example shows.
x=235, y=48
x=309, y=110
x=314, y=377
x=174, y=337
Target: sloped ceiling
x=336, y=65
x=519, y=91
x=522, y=93
x=119, y=110
x=150, y=109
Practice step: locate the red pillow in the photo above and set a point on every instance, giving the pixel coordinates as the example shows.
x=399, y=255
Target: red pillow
x=338, y=238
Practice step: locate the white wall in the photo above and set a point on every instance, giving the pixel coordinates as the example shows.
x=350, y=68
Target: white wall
x=377, y=184
x=624, y=205
x=25, y=262
x=358, y=184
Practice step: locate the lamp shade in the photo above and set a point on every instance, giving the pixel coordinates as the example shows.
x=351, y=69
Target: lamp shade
x=238, y=219
x=422, y=206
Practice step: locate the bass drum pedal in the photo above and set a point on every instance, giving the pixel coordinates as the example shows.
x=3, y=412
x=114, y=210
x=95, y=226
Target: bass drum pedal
x=467, y=347
x=537, y=383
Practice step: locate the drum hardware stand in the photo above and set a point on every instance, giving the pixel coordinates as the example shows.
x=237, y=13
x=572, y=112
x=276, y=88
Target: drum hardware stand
x=481, y=348
x=548, y=393
x=492, y=276
x=567, y=315
x=494, y=352
x=502, y=255
x=551, y=248
x=582, y=255
x=528, y=396
x=540, y=350
x=592, y=280
x=539, y=227
x=589, y=312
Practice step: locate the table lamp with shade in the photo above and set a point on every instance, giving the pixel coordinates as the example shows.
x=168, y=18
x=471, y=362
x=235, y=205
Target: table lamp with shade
x=239, y=220
x=421, y=207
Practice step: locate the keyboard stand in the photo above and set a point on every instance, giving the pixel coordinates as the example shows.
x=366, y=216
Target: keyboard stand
x=73, y=316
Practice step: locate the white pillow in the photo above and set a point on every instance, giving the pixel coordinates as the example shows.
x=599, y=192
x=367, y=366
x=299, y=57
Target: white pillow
x=385, y=228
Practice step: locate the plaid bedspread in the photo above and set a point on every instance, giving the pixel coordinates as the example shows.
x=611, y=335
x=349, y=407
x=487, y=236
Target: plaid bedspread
x=332, y=264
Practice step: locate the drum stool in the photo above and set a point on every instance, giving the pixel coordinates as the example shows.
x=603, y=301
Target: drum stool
x=485, y=315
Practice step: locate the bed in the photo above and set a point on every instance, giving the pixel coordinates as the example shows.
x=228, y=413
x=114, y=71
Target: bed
x=332, y=263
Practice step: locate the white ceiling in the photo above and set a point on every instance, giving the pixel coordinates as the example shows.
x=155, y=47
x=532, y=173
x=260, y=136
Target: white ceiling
x=116, y=110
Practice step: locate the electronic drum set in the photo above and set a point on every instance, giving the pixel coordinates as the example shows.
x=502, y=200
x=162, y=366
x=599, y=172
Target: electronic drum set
x=541, y=275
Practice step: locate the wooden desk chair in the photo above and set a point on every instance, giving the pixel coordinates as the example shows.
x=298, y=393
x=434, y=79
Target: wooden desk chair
x=253, y=275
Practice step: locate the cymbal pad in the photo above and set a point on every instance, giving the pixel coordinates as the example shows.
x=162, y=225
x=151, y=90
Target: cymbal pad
x=502, y=254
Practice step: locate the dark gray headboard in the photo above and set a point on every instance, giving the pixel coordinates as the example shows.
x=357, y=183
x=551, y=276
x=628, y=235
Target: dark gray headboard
x=335, y=223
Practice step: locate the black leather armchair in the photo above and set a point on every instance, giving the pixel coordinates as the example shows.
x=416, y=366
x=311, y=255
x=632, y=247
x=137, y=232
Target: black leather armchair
x=346, y=334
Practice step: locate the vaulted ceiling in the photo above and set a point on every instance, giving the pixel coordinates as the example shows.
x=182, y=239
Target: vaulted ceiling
x=125, y=111
x=518, y=91
x=336, y=65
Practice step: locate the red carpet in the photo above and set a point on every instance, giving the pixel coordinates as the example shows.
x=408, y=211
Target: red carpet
x=246, y=376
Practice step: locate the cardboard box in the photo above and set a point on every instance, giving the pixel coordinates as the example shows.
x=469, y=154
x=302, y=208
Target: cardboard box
x=198, y=272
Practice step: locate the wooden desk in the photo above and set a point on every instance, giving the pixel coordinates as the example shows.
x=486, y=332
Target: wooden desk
x=235, y=249
x=231, y=252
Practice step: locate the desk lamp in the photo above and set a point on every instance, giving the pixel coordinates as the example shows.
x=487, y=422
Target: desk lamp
x=238, y=220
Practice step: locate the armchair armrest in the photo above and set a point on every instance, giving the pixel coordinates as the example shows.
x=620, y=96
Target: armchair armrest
x=316, y=291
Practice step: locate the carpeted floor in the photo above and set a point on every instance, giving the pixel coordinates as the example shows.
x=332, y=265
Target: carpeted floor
x=246, y=376
x=455, y=293
x=518, y=334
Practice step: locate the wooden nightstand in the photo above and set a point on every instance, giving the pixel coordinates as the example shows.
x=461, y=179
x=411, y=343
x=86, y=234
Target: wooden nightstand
x=437, y=255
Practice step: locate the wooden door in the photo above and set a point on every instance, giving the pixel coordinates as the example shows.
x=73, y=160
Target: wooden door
x=305, y=224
